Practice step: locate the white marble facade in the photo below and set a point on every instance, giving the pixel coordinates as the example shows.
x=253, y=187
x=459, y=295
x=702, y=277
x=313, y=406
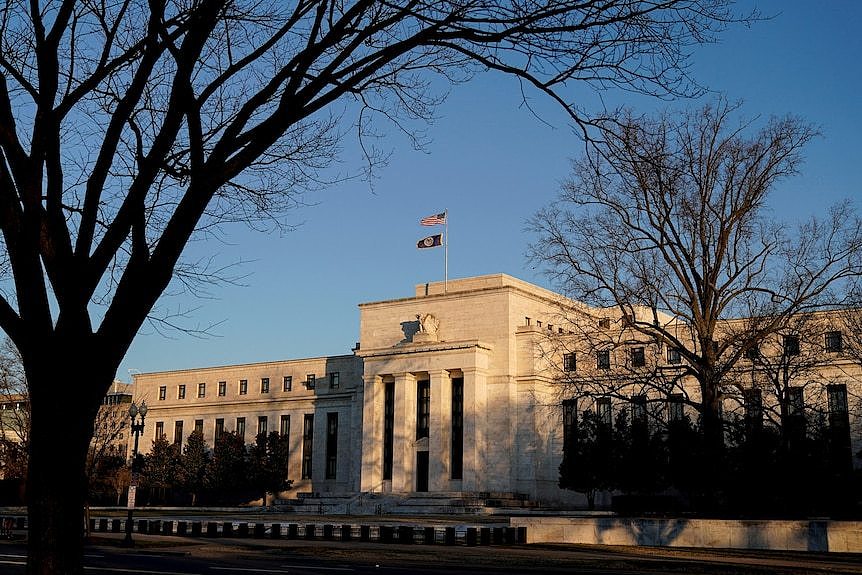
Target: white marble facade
x=449, y=390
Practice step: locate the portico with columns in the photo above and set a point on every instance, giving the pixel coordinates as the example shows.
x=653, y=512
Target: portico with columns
x=444, y=399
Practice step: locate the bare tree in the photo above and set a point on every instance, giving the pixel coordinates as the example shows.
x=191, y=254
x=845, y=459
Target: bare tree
x=665, y=222
x=107, y=447
x=15, y=416
x=127, y=127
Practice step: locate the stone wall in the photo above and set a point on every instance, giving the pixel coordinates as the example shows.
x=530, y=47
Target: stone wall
x=802, y=535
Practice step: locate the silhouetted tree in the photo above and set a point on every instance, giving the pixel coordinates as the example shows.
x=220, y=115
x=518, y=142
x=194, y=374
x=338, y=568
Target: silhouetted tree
x=126, y=127
x=268, y=462
x=592, y=466
x=194, y=465
x=161, y=467
x=665, y=221
x=229, y=470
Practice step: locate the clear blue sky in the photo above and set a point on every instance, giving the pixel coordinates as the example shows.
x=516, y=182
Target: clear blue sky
x=492, y=164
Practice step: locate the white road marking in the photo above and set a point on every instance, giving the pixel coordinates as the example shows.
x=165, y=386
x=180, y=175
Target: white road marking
x=142, y=571
x=315, y=567
x=254, y=570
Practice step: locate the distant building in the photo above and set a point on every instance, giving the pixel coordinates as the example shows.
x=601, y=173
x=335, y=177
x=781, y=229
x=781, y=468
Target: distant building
x=458, y=388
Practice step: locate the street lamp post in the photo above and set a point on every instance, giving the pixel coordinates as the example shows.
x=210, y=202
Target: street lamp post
x=137, y=427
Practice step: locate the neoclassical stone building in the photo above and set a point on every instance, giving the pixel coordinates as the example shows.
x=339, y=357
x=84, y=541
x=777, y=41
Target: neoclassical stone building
x=452, y=390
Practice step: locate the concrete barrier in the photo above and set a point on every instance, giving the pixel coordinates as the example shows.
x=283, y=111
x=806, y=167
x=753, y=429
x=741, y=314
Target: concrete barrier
x=212, y=529
x=779, y=535
x=470, y=538
x=405, y=534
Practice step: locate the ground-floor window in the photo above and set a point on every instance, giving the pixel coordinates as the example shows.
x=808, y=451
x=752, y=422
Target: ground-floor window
x=331, y=445
x=388, y=428
x=457, y=451
x=307, y=444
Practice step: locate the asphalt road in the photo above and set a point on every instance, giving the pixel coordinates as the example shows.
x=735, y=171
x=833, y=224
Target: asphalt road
x=156, y=555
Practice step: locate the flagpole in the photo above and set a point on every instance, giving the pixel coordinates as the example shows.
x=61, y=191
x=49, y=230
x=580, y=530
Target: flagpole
x=446, y=252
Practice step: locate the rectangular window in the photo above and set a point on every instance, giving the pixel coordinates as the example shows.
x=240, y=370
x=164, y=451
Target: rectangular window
x=163, y=392
x=753, y=399
x=570, y=362
x=791, y=345
x=334, y=380
x=284, y=426
x=262, y=423
x=199, y=426
x=388, y=428
x=675, y=407
x=837, y=399
x=603, y=359
x=160, y=429
x=673, y=356
x=604, y=410
x=222, y=388
x=423, y=408
x=309, y=381
x=639, y=409
x=456, y=470
x=752, y=353
x=331, y=445
x=264, y=385
x=570, y=424
x=202, y=390
x=604, y=323
x=243, y=386
x=287, y=383
x=307, y=444
x=178, y=432
x=219, y=429
x=795, y=401
x=638, y=357
x=833, y=342
x=181, y=391
x=240, y=427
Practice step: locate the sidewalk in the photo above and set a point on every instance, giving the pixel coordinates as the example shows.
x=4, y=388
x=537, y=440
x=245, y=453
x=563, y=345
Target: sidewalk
x=529, y=557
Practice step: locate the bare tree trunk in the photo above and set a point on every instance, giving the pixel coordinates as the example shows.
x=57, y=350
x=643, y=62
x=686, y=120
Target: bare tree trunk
x=62, y=415
x=55, y=501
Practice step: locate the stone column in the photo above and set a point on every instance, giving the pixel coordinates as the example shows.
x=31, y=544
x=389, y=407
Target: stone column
x=404, y=454
x=372, y=433
x=475, y=422
x=441, y=431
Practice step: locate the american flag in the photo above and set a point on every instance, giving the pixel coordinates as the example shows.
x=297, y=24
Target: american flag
x=435, y=220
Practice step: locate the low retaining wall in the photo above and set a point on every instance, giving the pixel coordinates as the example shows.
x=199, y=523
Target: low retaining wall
x=807, y=535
